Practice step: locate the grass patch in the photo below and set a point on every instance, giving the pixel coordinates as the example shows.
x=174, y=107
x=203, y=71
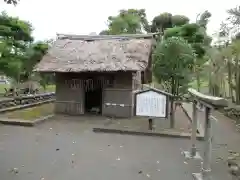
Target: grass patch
x=2, y=86
x=31, y=113
x=203, y=84
x=50, y=88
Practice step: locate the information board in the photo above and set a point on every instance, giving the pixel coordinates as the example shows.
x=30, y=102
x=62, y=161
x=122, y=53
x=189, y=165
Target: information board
x=151, y=104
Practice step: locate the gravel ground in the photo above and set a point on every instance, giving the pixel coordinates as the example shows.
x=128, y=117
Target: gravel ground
x=63, y=149
x=66, y=148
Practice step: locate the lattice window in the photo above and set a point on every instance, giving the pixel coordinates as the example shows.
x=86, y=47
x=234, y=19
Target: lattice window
x=90, y=83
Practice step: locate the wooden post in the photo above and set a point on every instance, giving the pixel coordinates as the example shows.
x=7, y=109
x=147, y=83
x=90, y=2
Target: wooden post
x=194, y=130
x=206, y=167
x=210, y=102
x=150, y=124
x=193, y=154
x=172, y=117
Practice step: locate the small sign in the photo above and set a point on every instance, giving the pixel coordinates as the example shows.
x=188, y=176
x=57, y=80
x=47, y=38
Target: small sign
x=151, y=104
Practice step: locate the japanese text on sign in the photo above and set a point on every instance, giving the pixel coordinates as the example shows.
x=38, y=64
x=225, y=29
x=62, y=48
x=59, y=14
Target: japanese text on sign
x=151, y=104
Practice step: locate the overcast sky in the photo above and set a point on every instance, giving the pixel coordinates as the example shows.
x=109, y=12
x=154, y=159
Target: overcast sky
x=83, y=17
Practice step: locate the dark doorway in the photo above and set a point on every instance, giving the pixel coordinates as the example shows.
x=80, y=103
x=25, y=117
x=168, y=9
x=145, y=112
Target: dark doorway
x=93, y=101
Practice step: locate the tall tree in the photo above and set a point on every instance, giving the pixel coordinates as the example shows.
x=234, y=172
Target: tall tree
x=202, y=20
x=173, y=60
x=166, y=20
x=235, y=46
x=14, y=2
x=130, y=21
x=234, y=18
x=15, y=37
x=233, y=61
x=35, y=53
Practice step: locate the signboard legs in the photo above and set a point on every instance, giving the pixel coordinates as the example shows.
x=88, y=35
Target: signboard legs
x=172, y=118
x=193, y=154
x=150, y=124
x=194, y=130
x=206, y=166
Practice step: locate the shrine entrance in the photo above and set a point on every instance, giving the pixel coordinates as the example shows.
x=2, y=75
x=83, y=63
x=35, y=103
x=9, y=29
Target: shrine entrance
x=93, y=91
x=93, y=100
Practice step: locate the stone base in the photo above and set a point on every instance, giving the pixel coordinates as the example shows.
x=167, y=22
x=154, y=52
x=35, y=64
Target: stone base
x=188, y=155
x=199, y=176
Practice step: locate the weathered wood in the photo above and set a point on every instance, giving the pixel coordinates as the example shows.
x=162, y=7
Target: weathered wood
x=23, y=100
x=188, y=110
x=215, y=102
x=147, y=87
x=69, y=107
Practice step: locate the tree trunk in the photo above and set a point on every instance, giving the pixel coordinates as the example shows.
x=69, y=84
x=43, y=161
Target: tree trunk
x=230, y=88
x=172, y=113
x=198, y=80
x=210, y=84
x=216, y=90
x=238, y=85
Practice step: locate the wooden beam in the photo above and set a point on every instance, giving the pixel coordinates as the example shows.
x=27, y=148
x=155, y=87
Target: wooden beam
x=101, y=37
x=215, y=102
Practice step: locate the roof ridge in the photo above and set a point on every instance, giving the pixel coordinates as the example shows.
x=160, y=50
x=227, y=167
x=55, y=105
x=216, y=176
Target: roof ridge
x=105, y=37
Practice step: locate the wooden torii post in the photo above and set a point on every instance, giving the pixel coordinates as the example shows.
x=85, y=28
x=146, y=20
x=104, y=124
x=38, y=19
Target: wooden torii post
x=209, y=103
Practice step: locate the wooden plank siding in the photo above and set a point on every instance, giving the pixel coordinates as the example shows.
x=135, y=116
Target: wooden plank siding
x=70, y=92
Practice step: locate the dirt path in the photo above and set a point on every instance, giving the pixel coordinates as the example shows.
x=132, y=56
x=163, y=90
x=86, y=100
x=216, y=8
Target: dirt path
x=63, y=149
x=226, y=134
x=226, y=143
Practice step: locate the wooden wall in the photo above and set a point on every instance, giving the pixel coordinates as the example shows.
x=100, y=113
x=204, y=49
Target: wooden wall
x=69, y=99
x=117, y=97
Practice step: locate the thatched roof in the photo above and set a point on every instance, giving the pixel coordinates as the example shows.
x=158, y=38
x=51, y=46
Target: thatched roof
x=73, y=53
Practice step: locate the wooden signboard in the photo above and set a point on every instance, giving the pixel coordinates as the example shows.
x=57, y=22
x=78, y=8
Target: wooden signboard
x=151, y=103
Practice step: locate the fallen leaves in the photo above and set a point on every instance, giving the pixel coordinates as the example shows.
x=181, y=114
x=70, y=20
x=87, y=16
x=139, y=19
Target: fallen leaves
x=148, y=175
x=14, y=170
x=233, y=155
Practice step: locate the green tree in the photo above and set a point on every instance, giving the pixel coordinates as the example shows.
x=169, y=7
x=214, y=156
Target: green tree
x=130, y=21
x=166, y=20
x=202, y=20
x=234, y=17
x=229, y=49
x=15, y=37
x=195, y=36
x=173, y=60
x=104, y=32
x=235, y=47
x=14, y=2
x=33, y=55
